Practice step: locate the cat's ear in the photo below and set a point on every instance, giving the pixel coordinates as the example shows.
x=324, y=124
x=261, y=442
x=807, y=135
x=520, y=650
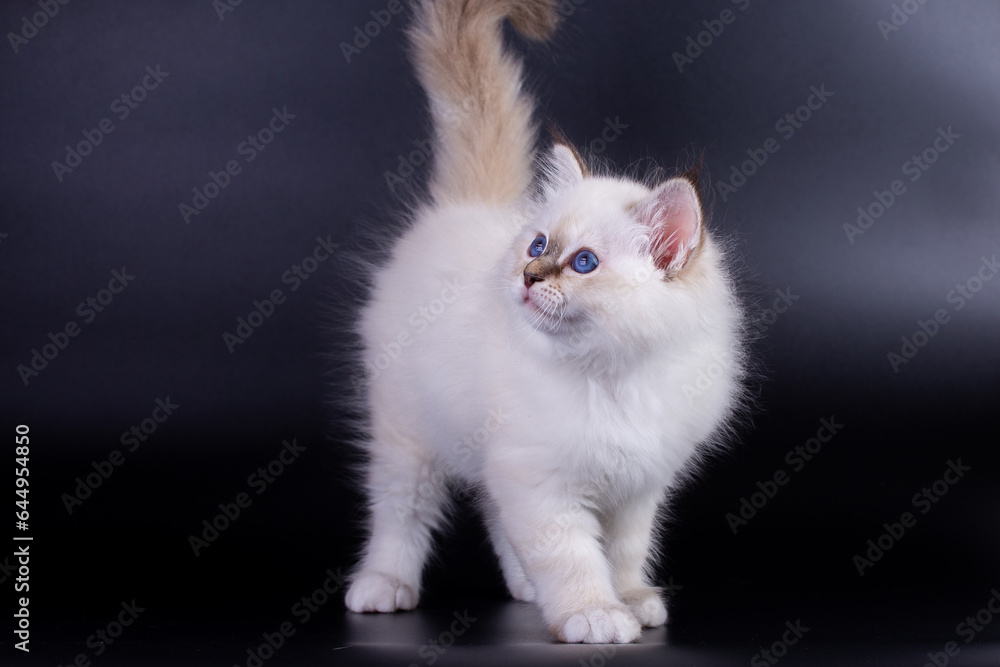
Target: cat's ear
x=673, y=214
x=563, y=167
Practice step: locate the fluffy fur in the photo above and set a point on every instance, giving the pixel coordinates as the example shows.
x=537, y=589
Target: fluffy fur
x=571, y=400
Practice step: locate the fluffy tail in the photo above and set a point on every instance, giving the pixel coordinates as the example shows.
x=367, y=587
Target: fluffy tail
x=483, y=120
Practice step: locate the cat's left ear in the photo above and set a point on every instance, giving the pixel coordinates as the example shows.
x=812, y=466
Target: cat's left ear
x=673, y=213
x=563, y=165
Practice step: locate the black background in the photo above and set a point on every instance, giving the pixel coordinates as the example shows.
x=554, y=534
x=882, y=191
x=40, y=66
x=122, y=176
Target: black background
x=324, y=176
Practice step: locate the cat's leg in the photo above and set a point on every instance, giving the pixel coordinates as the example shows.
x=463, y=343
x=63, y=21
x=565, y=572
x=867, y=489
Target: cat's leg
x=513, y=572
x=557, y=540
x=629, y=532
x=407, y=500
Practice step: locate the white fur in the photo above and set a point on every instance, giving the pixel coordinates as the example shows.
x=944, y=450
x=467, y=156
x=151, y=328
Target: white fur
x=597, y=412
x=573, y=404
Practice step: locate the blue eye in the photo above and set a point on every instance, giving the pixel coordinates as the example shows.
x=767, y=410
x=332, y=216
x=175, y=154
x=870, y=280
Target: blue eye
x=537, y=246
x=585, y=262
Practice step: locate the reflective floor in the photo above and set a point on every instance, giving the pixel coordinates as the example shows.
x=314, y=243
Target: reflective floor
x=812, y=630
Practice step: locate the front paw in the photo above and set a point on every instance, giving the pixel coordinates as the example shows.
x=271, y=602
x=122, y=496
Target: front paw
x=374, y=591
x=611, y=624
x=521, y=589
x=647, y=605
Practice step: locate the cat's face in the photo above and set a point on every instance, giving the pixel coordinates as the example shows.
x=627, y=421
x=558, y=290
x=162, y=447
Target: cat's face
x=600, y=261
x=579, y=252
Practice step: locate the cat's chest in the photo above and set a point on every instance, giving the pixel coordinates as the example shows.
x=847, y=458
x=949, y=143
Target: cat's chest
x=591, y=425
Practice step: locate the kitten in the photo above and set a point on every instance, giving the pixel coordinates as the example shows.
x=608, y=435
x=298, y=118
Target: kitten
x=551, y=335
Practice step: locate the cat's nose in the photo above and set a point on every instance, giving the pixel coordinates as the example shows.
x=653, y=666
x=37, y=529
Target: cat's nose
x=530, y=278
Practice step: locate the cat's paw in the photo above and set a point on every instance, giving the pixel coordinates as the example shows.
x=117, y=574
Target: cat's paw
x=522, y=590
x=374, y=591
x=612, y=624
x=647, y=605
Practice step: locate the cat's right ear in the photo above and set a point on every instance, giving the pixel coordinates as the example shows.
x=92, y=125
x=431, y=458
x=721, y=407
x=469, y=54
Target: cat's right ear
x=674, y=217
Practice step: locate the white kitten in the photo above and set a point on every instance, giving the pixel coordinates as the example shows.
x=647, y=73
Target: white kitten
x=548, y=346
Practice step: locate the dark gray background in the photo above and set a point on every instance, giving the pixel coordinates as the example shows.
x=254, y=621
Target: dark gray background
x=324, y=176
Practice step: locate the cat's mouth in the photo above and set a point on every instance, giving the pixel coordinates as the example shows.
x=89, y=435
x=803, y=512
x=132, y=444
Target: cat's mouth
x=535, y=305
x=543, y=308
x=527, y=300
x=529, y=304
